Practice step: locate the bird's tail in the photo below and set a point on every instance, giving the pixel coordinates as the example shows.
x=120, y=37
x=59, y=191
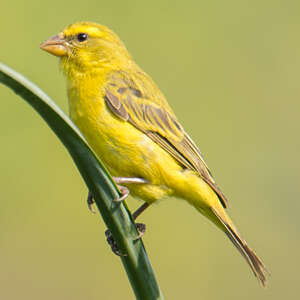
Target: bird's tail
x=252, y=259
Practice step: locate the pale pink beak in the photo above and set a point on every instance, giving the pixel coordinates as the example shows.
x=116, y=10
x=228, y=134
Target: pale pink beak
x=56, y=45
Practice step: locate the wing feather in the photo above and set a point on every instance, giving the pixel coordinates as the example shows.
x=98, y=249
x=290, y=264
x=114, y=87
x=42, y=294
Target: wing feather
x=133, y=101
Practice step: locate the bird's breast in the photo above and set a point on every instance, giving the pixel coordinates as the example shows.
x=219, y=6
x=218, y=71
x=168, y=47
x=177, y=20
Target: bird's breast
x=120, y=145
x=124, y=150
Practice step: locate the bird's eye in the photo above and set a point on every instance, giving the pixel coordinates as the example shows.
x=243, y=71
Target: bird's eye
x=81, y=37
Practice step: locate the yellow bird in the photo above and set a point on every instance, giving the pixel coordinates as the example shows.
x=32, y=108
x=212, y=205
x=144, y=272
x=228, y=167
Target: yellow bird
x=129, y=124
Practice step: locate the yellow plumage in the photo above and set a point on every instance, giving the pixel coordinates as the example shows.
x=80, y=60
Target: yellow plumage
x=129, y=124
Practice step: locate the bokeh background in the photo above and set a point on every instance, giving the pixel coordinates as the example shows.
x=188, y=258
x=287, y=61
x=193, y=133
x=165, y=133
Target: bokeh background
x=230, y=70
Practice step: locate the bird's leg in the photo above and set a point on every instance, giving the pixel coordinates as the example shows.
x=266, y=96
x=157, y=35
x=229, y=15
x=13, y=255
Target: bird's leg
x=120, y=180
x=140, y=210
x=123, y=189
x=141, y=227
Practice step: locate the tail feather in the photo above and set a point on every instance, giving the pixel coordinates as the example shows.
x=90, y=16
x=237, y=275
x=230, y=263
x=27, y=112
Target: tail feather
x=252, y=259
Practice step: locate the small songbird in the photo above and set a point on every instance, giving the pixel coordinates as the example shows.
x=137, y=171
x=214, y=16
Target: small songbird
x=131, y=127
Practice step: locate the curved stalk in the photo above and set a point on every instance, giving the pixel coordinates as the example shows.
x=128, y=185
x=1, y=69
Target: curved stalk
x=115, y=215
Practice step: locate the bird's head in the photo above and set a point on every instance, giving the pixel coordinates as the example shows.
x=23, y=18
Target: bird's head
x=87, y=46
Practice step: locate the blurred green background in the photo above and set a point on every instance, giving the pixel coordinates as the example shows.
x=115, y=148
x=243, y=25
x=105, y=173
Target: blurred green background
x=230, y=70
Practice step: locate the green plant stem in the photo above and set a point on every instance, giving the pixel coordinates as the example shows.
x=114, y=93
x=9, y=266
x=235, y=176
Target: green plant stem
x=116, y=216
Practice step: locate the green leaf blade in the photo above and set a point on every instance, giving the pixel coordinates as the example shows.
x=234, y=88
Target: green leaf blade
x=116, y=216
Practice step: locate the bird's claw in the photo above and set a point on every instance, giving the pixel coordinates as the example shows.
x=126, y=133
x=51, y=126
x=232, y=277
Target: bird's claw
x=113, y=245
x=141, y=228
x=124, y=191
x=90, y=201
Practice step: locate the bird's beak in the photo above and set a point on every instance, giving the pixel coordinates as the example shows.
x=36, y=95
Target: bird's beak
x=56, y=45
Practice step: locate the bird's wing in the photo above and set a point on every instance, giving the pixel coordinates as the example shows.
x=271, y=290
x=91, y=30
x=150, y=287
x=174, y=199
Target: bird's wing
x=135, y=102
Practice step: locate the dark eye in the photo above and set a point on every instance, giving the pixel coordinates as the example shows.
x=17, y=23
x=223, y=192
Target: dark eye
x=81, y=37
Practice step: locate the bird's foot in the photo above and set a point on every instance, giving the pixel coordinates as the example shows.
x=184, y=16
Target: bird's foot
x=113, y=245
x=123, y=190
x=90, y=201
x=141, y=228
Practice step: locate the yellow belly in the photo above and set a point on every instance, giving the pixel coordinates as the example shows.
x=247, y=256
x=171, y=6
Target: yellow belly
x=128, y=152
x=124, y=150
